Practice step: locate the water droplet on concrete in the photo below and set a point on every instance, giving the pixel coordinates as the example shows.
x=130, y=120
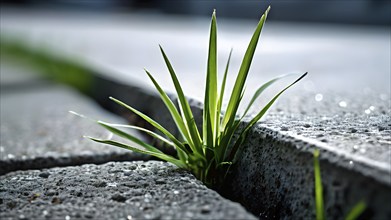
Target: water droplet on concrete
x=10, y=156
x=355, y=148
x=318, y=97
x=372, y=108
x=351, y=163
x=342, y=104
x=367, y=111
x=45, y=212
x=363, y=150
x=67, y=217
x=129, y=217
x=176, y=192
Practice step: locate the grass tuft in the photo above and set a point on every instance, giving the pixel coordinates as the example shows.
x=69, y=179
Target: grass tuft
x=208, y=153
x=354, y=213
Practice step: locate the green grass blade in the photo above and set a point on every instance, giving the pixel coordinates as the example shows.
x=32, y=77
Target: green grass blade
x=320, y=215
x=195, y=141
x=222, y=89
x=357, y=210
x=244, y=132
x=268, y=105
x=220, y=148
x=173, y=111
x=150, y=121
x=150, y=133
x=138, y=150
x=129, y=137
x=210, y=100
x=234, y=100
x=181, y=150
x=260, y=90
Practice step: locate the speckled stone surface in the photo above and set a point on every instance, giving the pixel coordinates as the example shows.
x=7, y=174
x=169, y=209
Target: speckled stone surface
x=122, y=190
x=355, y=126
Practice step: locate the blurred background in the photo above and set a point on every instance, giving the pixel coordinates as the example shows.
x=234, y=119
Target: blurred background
x=375, y=12
x=343, y=44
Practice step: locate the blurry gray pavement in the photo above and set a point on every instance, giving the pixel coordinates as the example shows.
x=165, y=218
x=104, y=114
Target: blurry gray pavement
x=37, y=131
x=338, y=58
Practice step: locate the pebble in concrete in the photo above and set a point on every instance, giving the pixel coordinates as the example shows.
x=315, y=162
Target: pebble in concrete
x=115, y=190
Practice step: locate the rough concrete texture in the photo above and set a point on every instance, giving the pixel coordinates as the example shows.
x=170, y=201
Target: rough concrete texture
x=122, y=190
x=355, y=126
x=38, y=131
x=277, y=161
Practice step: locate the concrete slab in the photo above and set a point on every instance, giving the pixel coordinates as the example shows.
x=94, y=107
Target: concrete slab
x=38, y=131
x=126, y=190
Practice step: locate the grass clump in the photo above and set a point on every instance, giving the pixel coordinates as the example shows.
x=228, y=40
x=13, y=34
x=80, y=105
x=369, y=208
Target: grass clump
x=209, y=152
x=354, y=213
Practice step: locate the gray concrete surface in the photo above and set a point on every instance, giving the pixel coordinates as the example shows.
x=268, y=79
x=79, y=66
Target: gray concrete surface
x=122, y=190
x=356, y=126
x=38, y=131
x=354, y=144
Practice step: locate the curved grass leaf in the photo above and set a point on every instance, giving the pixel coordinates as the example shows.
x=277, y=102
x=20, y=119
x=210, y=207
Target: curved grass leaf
x=222, y=89
x=357, y=210
x=194, y=139
x=262, y=88
x=320, y=215
x=210, y=100
x=172, y=109
x=234, y=100
x=243, y=134
x=129, y=137
x=138, y=150
x=152, y=122
x=150, y=133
